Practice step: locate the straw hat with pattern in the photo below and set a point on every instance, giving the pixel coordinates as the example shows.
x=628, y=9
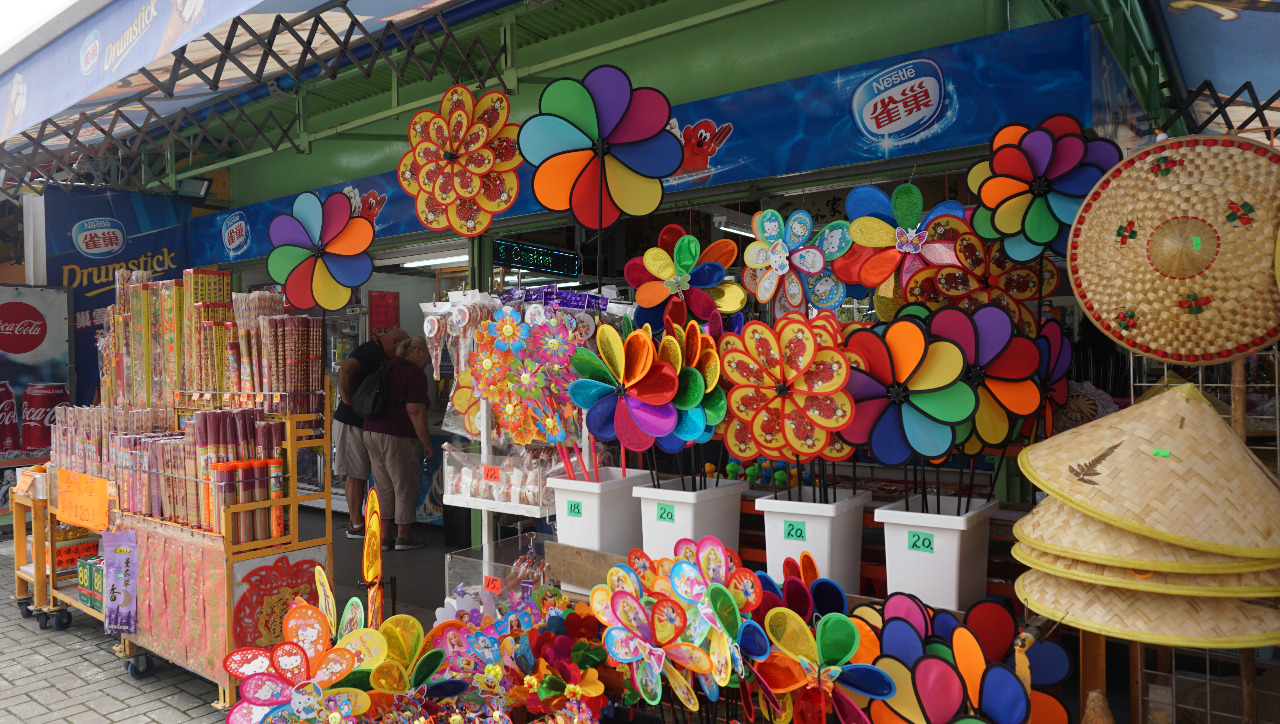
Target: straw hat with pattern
x=1173, y=253
x=1170, y=469
x=1259, y=584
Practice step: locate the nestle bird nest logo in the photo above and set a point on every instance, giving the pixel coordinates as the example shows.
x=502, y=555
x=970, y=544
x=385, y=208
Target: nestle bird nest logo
x=235, y=233
x=99, y=238
x=899, y=101
x=90, y=51
x=17, y=96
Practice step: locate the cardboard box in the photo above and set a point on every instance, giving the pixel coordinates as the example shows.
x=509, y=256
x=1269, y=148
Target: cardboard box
x=89, y=578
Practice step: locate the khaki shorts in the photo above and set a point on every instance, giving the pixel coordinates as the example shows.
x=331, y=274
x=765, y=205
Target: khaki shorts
x=396, y=465
x=350, y=459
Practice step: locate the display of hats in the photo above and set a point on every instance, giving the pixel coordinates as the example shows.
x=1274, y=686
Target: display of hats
x=1173, y=252
x=1170, y=469
x=1259, y=584
x=1057, y=528
x=1152, y=618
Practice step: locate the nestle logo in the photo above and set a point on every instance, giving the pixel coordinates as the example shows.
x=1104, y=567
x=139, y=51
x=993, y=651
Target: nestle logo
x=899, y=101
x=22, y=328
x=99, y=238
x=90, y=50
x=235, y=233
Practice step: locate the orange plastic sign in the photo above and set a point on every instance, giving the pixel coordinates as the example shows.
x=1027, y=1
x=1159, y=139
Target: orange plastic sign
x=82, y=500
x=491, y=473
x=492, y=585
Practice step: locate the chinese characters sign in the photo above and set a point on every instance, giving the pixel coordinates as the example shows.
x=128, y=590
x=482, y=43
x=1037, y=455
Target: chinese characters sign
x=384, y=312
x=82, y=500
x=120, y=582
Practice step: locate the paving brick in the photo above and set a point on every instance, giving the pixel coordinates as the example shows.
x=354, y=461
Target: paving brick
x=99, y=657
x=168, y=715
x=26, y=710
x=88, y=717
x=182, y=700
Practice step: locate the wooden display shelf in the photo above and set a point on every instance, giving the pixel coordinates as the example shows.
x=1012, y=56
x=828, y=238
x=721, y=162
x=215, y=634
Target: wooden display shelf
x=30, y=589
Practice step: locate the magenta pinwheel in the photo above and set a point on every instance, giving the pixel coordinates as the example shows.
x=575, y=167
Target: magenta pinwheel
x=626, y=392
x=678, y=268
x=601, y=147
x=319, y=253
x=1032, y=185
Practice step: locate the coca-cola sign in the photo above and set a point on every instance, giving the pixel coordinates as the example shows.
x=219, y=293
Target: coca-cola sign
x=22, y=328
x=8, y=412
x=32, y=415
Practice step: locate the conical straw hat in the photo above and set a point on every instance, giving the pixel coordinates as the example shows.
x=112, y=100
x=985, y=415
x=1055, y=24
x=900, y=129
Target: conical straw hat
x=1259, y=584
x=1152, y=618
x=1169, y=469
x=1057, y=528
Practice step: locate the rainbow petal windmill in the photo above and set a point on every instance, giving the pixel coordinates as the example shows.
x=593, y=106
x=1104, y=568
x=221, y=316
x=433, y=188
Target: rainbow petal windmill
x=319, y=253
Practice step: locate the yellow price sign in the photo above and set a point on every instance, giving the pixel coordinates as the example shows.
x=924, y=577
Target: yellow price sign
x=82, y=500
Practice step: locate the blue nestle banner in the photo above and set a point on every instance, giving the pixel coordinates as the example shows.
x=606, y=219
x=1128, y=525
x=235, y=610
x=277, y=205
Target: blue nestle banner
x=90, y=235
x=948, y=97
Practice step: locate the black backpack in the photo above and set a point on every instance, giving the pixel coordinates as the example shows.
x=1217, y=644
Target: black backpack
x=372, y=399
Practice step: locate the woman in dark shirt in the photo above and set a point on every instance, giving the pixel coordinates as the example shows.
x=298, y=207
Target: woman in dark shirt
x=397, y=441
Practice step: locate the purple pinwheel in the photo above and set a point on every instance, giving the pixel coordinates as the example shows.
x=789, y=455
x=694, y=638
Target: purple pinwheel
x=1055, y=359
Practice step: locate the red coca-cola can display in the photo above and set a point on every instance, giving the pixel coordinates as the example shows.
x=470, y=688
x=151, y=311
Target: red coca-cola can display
x=37, y=412
x=8, y=419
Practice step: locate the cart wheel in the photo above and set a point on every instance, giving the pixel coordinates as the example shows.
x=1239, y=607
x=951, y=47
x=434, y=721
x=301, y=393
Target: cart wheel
x=42, y=619
x=140, y=672
x=62, y=620
x=24, y=607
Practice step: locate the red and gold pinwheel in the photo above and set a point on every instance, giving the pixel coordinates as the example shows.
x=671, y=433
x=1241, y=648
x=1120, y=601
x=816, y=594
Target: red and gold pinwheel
x=787, y=388
x=462, y=167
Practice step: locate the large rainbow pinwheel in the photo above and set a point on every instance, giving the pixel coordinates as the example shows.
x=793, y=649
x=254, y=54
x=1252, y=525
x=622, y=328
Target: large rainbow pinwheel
x=600, y=122
x=679, y=272
x=1032, y=185
x=461, y=169
x=319, y=253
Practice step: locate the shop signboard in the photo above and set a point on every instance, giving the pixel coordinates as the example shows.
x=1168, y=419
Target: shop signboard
x=91, y=235
x=34, y=356
x=941, y=98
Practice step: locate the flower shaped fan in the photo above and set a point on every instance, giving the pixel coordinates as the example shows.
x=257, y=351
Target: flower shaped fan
x=319, y=253
x=699, y=400
x=678, y=271
x=778, y=256
x=461, y=169
x=1032, y=185
x=601, y=147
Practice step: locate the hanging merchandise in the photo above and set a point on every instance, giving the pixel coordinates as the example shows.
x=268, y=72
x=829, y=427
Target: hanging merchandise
x=779, y=258
x=1164, y=259
x=597, y=123
x=1033, y=184
x=319, y=251
x=461, y=167
x=679, y=275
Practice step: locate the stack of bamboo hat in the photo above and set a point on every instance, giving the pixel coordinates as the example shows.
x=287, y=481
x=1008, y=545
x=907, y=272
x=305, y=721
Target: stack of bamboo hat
x=1161, y=527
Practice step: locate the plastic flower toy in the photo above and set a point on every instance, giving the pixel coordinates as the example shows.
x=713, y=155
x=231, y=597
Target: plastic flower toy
x=552, y=344
x=551, y=428
x=1055, y=359
x=787, y=388
x=526, y=379
x=650, y=643
x=679, y=271
x=699, y=401
x=778, y=254
x=893, y=237
x=508, y=332
x=489, y=367
x=910, y=392
x=319, y=253
x=1031, y=187
x=984, y=274
x=601, y=147
x=466, y=402
x=625, y=391
x=461, y=169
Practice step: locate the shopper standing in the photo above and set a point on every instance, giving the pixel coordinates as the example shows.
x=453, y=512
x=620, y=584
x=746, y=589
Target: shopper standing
x=398, y=440
x=350, y=459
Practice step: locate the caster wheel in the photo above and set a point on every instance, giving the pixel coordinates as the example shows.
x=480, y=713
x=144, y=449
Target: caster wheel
x=24, y=608
x=62, y=620
x=140, y=671
x=42, y=620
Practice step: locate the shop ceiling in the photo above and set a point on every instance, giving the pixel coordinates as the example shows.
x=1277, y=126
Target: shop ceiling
x=250, y=86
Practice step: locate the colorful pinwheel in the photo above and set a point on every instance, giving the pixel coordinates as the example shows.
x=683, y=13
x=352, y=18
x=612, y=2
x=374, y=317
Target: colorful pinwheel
x=910, y=392
x=778, y=256
x=552, y=344
x=1055, y=359
x=984, y=275
x=600, y=122
x=893, y=238
x=1000, y=365
x=1031, y=187
x=679, y=271
x=319, y=253
x=699, y=401
x=787, y=388
x=627, y=393
x=461, y=169
x=651, y=644
x=508, y=332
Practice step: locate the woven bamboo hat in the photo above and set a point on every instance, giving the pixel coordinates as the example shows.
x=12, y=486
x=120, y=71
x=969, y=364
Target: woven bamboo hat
x=1057, y=528
x=1259, y=584
x=1169, y=469
x=1173, y=252
x=1152, y=618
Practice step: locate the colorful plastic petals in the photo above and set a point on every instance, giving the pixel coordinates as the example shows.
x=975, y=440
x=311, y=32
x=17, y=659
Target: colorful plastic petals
x=349, y=271
x=600, y=419
x=328, y=292
x=286, y=230
x=837, y=638
x=284, y=259
x=908, y=205
x=939, y=688
x=587, y=365
x=903, y=703
x=994, y=626
x=297, y=287
x=1002, y=698
x=545, y=136
x=867, y=200
x=907, y=607
x=646, y=117
x=571, y=100
x=553, y=183
x=585, y=393
x=335, y=214
x=632, y=192
x=901, y=641
x=309, y=212
x=650, y=157
x=1050, y=665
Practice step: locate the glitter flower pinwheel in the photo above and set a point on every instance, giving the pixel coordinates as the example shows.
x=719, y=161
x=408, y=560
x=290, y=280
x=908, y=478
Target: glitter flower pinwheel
x=893, y=237
x=699, y=401
x=778, y=256
x=508, y=332
x=461, y=169
x=651, y=643
x=597, y=123
x=787, y=388
x=525, y=379
x=1032, y=185
x=678, y=271
x=910, y=392
x=319, y=253
x=550, y=426
x=626, y=391
x=552, y=344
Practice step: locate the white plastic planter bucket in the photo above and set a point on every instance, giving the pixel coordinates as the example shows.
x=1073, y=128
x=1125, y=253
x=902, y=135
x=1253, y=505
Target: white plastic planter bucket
x=830, y=532
x=938, y=556
x=601, y=516
x=669, y=514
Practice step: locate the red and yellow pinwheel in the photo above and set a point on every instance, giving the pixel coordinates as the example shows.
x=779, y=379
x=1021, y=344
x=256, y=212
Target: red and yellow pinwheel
x=787, y=388
x=462, y=167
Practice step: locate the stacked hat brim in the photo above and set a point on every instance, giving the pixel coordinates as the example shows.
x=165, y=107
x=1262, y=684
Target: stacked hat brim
x=1160, y=521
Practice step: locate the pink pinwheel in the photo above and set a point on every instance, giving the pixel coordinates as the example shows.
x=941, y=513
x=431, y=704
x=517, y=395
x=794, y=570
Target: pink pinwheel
x=778, y=256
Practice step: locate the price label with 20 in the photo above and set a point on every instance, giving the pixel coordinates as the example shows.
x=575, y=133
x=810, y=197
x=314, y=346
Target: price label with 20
x=917, y=541
x=666, y=513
